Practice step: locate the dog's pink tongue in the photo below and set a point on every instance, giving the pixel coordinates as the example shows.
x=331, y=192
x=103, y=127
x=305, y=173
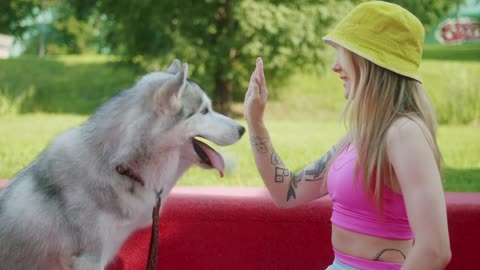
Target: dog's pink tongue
x=215, y=158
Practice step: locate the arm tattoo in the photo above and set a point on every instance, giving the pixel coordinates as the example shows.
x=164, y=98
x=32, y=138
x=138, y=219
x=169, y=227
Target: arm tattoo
x=320, y=166
x=280, y=174
x=293, y=185
x=260, y=144
x=280, y=171
x=291, y=193
x=315, y=174
x=275, y=160
x=297, y=177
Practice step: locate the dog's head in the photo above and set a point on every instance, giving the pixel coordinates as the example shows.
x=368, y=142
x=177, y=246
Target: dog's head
x=167, y=112
x=187, y=105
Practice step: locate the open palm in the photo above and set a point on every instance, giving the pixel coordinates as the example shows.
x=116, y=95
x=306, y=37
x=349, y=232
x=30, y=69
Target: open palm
x=256, y=96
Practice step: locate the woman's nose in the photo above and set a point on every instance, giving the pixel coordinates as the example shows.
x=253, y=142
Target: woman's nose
x=336, y=67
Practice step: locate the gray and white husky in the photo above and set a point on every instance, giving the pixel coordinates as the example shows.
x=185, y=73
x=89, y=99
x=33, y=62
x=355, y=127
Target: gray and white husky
x=74, y=206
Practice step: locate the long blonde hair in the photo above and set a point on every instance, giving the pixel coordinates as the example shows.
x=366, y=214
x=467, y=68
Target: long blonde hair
x=378, y=98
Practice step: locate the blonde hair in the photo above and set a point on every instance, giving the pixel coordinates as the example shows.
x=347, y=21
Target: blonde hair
x=379, y=97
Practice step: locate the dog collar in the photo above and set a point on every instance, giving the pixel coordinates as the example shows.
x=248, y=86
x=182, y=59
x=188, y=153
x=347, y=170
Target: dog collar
x=125, y=170
x=153, y=249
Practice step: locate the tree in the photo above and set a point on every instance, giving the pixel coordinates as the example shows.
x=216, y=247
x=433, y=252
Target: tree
x=48, y=26
x=13, y=12
x=429, y=12
x=221, y=38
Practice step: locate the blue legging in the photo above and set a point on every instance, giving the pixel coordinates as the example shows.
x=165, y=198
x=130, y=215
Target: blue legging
x=338, y=265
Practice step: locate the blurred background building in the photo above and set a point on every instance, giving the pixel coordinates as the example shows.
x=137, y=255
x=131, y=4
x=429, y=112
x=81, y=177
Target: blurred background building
x=6, y=43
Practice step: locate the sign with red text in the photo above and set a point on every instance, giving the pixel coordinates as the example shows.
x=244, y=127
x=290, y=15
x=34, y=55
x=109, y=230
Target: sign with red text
x=458, y=31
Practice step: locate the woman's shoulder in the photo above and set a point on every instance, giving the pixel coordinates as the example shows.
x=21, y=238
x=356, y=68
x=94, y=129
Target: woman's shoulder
x=403, y=124
x=406, y=132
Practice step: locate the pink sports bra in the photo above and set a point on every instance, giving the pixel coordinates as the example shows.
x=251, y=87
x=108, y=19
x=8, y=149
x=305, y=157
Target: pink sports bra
x=354, y=211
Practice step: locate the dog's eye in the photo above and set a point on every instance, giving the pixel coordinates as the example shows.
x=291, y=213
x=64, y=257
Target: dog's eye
x=205, y=111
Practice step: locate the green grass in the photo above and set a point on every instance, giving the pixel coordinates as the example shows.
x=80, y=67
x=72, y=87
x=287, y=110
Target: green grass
x=298, y=143
x=41, y=98
x=23, y=137
x=468, y=52
x=66, y=84
x=453, y=87
x=77, y=85
x=461, y=153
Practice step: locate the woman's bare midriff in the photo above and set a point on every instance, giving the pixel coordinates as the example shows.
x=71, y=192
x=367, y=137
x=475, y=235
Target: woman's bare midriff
x=370, y=247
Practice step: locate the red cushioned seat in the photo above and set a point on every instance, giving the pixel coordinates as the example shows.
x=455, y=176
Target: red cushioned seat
x=240, y=228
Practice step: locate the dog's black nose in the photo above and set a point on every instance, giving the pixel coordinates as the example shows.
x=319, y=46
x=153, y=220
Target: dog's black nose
x=241, y=130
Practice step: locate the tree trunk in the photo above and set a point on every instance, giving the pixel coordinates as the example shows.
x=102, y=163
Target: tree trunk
x=41, y=50
x=223, y=93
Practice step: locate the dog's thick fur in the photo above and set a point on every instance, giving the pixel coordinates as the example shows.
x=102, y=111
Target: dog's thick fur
x=74, y=206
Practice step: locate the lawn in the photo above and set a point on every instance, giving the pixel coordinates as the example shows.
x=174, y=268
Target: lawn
x=466, y=52
x=297, y=142
x=41, y=98
x=60, y=85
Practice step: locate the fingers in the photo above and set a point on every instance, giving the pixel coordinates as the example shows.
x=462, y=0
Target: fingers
x=257, y=86
x=263, y=92
x=261, y=76
x=256, y=90
x=259, y=71
x=253, y=78
x=253, y=83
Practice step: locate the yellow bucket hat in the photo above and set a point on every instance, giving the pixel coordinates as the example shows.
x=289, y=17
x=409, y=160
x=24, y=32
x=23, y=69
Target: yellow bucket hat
x=383, y=33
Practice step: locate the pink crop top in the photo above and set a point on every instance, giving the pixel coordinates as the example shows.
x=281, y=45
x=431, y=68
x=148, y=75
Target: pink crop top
x=354, y=211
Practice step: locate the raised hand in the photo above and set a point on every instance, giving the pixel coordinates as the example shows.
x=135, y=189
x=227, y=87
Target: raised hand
x=256, y=96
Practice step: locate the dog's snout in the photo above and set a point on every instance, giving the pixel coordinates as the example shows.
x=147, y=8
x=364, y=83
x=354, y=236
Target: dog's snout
x=241, y=130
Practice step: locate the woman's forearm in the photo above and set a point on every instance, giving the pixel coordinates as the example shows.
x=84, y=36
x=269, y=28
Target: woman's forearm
x=288, y=189
x=276, y=176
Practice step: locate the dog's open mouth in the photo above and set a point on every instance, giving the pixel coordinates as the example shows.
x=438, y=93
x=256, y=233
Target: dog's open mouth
x=208, y=156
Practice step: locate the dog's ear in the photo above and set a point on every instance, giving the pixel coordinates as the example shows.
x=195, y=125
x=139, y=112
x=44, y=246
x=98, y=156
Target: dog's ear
x=167, y=98
x=174, y=67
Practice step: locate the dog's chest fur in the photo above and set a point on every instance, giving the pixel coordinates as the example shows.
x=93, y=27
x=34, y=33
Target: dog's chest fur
x=75, y=205
x=96, y=209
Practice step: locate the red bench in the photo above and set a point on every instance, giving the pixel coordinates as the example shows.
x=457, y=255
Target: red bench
x=240, y=228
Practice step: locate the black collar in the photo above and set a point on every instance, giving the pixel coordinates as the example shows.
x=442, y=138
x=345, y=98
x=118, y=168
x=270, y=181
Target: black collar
x=127, y=171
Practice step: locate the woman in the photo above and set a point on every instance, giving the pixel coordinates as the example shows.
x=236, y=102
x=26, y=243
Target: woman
x=383, y=176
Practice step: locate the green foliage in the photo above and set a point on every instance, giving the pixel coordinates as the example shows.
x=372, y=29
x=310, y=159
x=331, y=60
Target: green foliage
x=63, y=30
x=303, y=121
x=287, y=36
x=222, y=38
x=429, y=12
x=13, y=12
x=76, y=84
x=65, y=34
x=219, y=38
